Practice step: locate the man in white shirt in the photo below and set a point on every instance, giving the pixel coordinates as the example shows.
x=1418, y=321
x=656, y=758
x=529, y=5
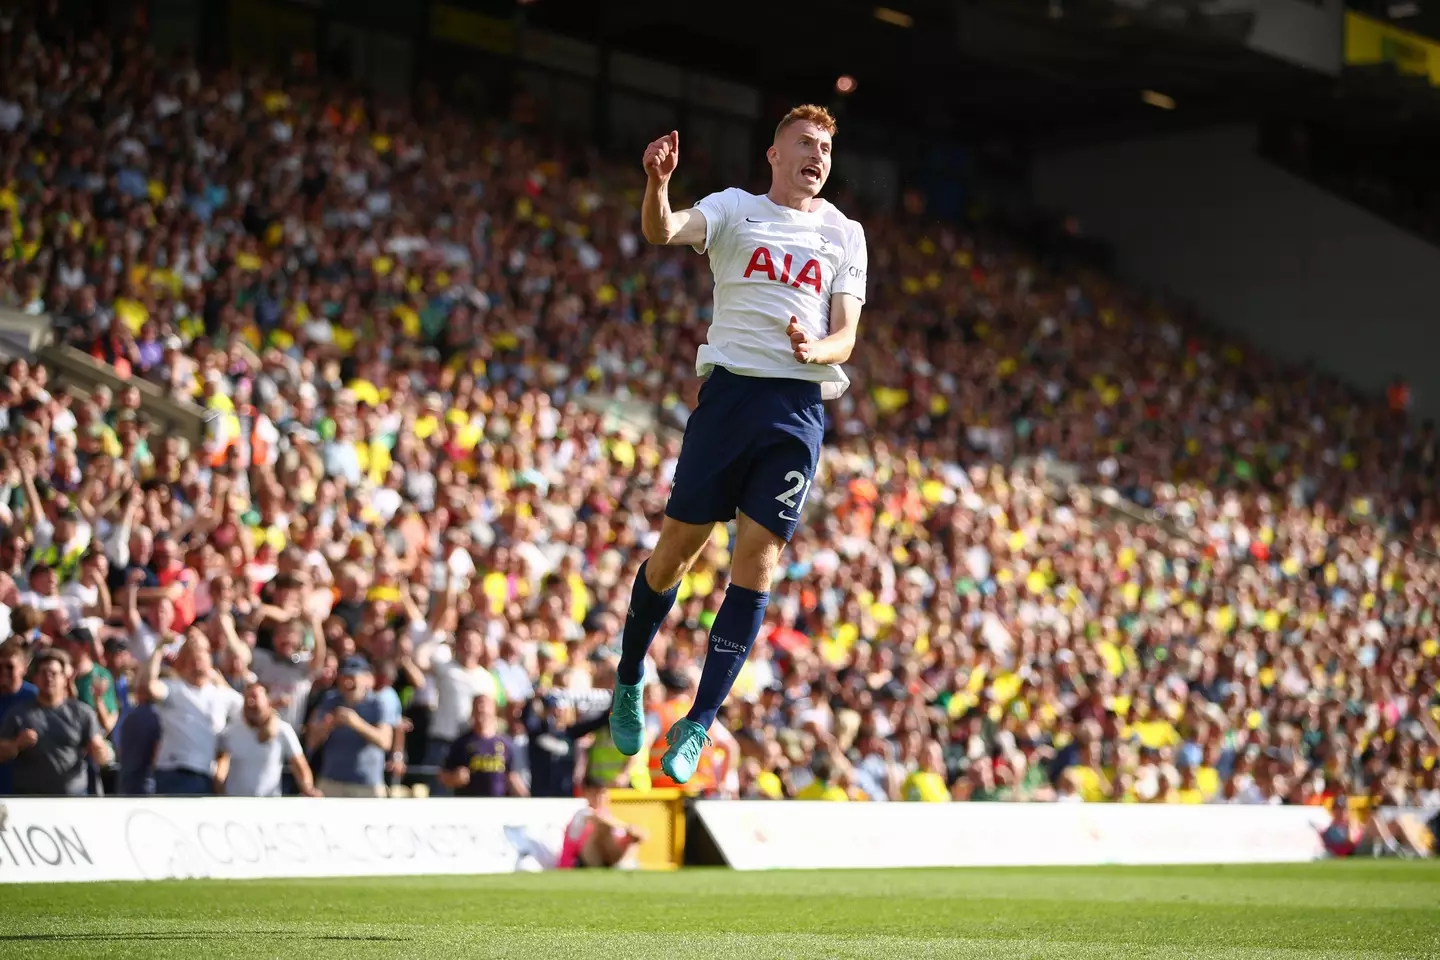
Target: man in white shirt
x=44, y=593
x=789, y=285
x=255, y=748
x=287, y=671
x=459, y=677
x=194, y=706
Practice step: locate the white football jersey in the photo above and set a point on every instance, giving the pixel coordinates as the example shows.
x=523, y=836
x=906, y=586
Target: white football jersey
x=772, y=263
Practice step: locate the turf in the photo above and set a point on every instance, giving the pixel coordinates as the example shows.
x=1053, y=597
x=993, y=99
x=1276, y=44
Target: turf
x=1351, y=910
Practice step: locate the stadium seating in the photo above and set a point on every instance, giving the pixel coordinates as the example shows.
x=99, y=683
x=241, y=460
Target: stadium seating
x=1069, y=544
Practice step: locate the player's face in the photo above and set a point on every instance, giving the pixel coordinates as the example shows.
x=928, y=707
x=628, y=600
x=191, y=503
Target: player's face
x=800, y=158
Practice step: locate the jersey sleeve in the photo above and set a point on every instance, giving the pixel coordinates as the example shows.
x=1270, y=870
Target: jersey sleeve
x=719, y=210
x=851, y=279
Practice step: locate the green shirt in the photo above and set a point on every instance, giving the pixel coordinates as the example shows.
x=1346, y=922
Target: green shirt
x=85, y=688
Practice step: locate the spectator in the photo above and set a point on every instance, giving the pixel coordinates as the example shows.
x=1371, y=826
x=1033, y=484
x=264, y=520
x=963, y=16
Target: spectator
x=255, y=747
x=357, y=727
x=287, y=670
x=927, y=783
x=94, y=684
x=49, y=737
x=822, y=786
x=193, y=706
x=482, y=762
x=14, y=691
x=459, y=676
x=121, y=666
x=137, y=746
x=553, y=737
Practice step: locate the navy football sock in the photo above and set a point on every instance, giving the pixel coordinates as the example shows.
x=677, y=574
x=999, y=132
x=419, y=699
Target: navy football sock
x=648, y=610
x=731, y=637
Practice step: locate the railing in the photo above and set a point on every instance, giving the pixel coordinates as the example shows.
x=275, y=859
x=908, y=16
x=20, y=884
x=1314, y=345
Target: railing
x=22, y=334
x=177, y=417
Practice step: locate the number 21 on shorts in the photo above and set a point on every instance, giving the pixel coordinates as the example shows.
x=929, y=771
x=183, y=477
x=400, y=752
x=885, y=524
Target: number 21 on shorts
x=794, y=496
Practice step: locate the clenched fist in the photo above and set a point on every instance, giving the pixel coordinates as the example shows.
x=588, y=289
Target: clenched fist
x=662, y=156
x=26, y=739
x=800, y=341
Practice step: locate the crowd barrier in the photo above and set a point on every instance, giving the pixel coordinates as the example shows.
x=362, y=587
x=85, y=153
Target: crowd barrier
x=661, y=814
x=87, y=839
x=769, y=836
x=170, y=838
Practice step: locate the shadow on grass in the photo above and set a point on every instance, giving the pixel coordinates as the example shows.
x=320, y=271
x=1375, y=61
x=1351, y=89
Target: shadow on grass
x=193, y=935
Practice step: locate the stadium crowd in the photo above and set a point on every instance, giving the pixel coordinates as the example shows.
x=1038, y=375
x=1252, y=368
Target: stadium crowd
x=1068, y=543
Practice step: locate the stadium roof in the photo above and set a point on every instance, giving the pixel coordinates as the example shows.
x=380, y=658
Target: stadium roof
x=1046, y=70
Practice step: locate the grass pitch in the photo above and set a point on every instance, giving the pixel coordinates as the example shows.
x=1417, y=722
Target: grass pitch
x=1353, y=910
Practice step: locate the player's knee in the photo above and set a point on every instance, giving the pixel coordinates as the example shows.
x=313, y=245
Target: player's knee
x=667, y=565
x=757, y=554
x=675, y=553
x=663, y=571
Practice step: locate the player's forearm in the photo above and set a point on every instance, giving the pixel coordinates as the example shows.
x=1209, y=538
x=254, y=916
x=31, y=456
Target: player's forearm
x=835, y=348
x=9, y=750
x=657, y=220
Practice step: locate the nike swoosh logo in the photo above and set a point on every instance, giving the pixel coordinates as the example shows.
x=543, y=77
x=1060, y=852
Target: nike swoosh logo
x=726, y=646
x=753, y=220
x=786, y=516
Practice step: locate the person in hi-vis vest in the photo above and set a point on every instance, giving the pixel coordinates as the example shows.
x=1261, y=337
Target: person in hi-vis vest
x=667, y=702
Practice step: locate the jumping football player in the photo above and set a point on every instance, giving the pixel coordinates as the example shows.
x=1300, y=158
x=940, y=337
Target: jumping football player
x=789, y=283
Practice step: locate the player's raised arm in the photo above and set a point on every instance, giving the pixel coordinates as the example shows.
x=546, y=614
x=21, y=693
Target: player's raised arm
x=658, y=222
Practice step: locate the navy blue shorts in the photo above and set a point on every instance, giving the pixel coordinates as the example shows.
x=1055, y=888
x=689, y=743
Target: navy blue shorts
x=752, y=445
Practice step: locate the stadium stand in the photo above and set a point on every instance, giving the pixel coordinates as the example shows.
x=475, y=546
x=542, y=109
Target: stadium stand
x=1072, y=544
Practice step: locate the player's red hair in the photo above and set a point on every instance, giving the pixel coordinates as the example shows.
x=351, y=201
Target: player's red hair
x=807, y=113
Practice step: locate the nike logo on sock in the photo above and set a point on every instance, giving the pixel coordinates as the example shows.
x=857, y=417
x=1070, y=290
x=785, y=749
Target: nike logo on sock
x=786, y=516
x=721, y=645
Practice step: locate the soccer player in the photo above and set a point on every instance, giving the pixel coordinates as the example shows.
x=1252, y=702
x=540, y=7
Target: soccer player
x=789, y=283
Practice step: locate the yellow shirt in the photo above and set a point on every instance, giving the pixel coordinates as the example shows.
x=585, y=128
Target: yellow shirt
x=1208, y=780
x=821, y=791
x=1189, y=795
x=925, y=787
x=1157, y=733
x=1093, y=788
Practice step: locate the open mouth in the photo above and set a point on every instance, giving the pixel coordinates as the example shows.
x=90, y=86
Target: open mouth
x=810, y=172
